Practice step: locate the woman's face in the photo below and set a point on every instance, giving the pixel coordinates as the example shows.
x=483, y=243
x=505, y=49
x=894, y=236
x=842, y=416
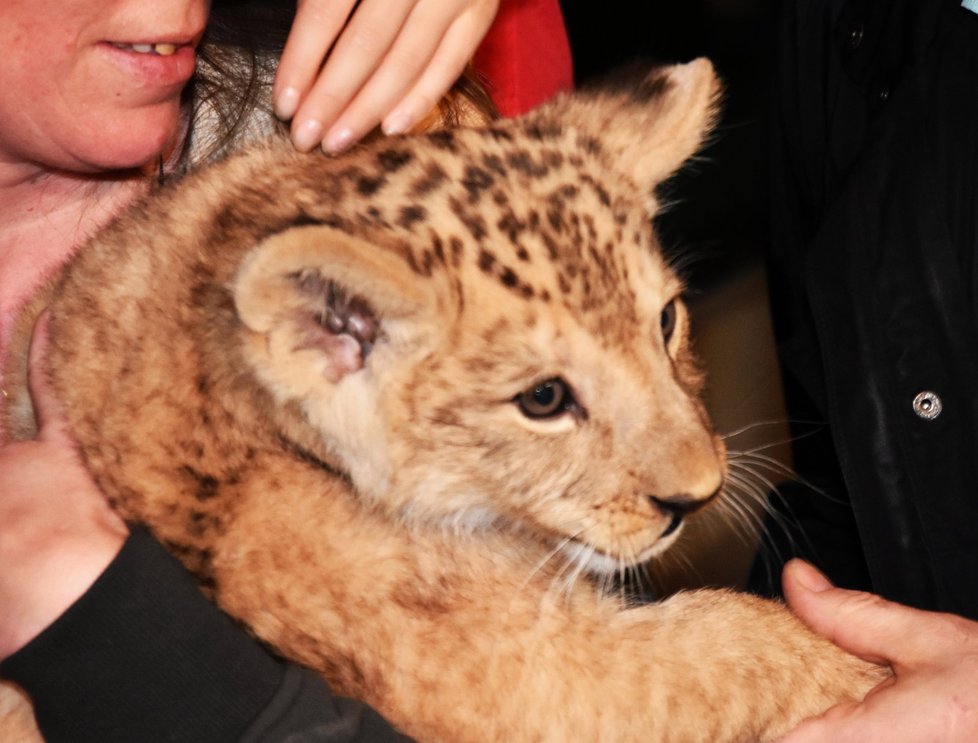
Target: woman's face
x=93, y=85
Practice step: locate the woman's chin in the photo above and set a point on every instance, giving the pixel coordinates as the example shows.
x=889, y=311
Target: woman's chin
x=130, y=140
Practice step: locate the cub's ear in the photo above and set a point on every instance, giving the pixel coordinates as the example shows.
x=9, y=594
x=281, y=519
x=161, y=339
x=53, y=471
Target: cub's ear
x=651, y=124
x=317, y=301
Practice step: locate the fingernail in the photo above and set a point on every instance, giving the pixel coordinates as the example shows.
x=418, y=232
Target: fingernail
x=287, y=103
x=397, y=123
x=810, y=578
x=307, y=135
x=337, y=140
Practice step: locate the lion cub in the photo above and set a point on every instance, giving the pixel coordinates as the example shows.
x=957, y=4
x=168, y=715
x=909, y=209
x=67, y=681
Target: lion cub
x=391, y=407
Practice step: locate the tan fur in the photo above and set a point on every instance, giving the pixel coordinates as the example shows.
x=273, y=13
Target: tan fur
x=403, y=527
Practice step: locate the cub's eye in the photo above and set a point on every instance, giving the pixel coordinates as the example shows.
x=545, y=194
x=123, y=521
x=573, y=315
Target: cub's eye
x=545, y=400
x=667, y=321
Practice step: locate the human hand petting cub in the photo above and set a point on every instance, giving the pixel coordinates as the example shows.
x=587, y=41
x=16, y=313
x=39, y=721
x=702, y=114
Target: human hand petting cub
x=933, y=694
x=57, y=531
x=386, y=61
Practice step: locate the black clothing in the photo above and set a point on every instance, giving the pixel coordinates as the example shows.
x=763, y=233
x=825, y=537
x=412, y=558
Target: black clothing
x=874, y=269
x=143, y=656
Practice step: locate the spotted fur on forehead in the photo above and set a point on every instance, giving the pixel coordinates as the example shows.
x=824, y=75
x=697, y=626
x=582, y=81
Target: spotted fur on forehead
x=533, y=207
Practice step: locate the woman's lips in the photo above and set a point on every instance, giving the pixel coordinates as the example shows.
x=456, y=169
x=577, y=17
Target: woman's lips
x=155, y=64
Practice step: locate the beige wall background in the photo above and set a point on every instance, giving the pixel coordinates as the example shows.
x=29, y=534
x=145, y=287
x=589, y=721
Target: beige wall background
x=732, y=332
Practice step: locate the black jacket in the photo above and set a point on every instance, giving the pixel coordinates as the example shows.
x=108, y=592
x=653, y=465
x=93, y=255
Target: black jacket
x=143, y=656
x=873, y=264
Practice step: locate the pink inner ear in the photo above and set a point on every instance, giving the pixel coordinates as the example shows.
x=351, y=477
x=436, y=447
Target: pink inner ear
x=343, y=356
x=344, y=329
x=343, y=353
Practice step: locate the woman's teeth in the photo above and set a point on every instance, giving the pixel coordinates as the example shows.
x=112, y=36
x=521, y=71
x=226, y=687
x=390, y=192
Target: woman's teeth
x=164, y=50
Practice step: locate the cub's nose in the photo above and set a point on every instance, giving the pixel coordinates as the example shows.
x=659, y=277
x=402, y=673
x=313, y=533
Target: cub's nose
x=677, y=507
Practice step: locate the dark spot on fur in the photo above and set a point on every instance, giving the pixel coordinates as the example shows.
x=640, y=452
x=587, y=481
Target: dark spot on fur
x=427, y=262
x=552, y=158
x=444, y=140
x=475, y=224
x=543, y=129
x=411, y=260
x=393, y=160
x=207, y=486
x=373, y=217
x=486, y=261
x=600, y=191
x=446, y=416
x=553, y=250
x=457, y=248
x=495, y=164
x=199, y=294
x=410, y=215
x=200, y=523
x=556, y=219
x=476, y=180
x=521, y=161
x=500, y=135
x=508, y=277
x=511, y=225
x=433, y=177
x=478, y=365
x=589, y=144
x=368, y=185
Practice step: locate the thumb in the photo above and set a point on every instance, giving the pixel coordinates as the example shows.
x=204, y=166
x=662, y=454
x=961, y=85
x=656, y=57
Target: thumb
x=861, y=623
x=47, y=412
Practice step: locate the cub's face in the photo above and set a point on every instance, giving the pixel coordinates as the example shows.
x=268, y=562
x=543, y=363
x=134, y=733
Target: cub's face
x=573, y=411
x=509, y=347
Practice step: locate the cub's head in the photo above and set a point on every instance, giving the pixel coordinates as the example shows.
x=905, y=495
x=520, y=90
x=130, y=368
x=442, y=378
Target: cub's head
x=479, y=325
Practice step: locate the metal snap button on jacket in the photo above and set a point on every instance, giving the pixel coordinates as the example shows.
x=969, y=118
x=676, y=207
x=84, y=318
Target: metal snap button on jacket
x=927, y=405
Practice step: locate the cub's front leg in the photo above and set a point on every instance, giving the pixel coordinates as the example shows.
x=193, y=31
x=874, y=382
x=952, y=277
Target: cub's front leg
x=456, y=641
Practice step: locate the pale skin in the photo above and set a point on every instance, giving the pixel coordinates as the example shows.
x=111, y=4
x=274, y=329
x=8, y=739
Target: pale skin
x=933, y=694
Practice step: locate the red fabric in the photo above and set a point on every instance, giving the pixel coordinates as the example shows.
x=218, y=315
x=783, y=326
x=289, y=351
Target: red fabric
x=525, y=57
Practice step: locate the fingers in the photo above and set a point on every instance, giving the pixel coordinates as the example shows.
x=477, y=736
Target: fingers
x=391, y=62
x=316, y=26
x=382, y=49
x=356, y=56
x=444, y=68
x=862, y=623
